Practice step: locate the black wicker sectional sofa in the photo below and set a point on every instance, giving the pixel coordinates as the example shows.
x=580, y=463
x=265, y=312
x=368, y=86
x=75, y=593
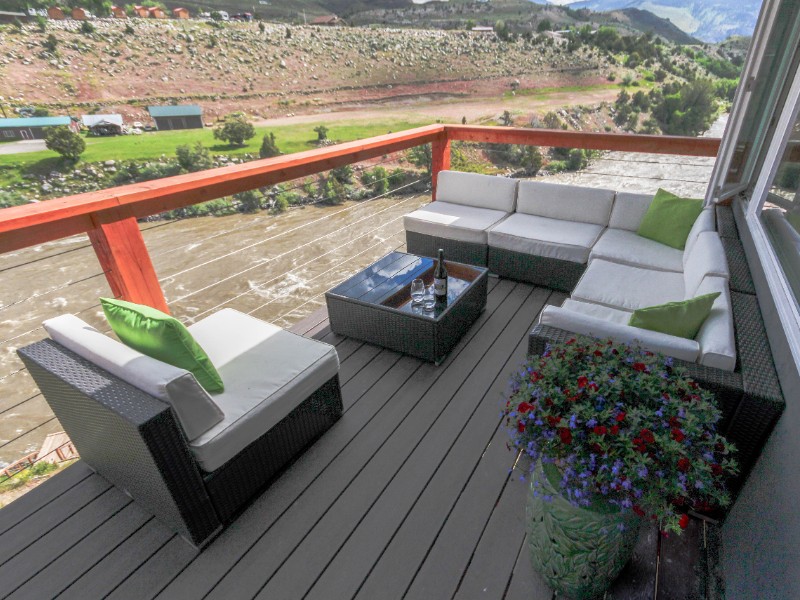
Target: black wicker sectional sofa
x=584, y=241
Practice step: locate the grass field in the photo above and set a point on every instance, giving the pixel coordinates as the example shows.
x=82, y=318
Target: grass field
x=152, y=145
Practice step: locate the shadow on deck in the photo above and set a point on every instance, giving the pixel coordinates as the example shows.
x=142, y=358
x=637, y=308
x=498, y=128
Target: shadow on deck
x=409, y=495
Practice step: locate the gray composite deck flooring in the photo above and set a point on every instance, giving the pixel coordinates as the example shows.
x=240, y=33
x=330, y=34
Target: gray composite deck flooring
x=410, y=494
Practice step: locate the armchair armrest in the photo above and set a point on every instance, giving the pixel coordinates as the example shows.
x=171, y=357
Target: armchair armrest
x=127, y=436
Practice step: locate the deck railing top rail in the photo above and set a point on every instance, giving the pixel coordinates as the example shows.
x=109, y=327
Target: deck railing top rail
x=110, y=216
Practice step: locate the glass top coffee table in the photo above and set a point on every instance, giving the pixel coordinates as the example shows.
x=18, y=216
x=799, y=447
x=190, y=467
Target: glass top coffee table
x=375, y=305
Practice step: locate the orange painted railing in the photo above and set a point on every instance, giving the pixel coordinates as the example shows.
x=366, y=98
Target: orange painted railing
x=110, y=216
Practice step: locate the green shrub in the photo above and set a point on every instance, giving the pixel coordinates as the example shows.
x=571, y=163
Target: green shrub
x=194, y=158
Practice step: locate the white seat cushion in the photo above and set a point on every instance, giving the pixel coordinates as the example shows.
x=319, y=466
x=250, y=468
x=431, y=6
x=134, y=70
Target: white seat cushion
x=453, y=221
x=267, y=373
x=706, y=257
x=194, y=408
x=541, y=236
x=567, y=202
x=627, y=248
x=476, y=190
x=629, y=210
x=586, y=324
x=626, y=287
x=716, y=336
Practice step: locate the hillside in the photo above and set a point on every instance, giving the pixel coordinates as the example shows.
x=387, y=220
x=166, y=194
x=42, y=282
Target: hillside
x=125, y=66
x=708, y=20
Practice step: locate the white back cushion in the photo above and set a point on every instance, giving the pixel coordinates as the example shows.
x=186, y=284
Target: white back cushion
x=565, y=202
x=629, y=210
x=480, y=191
x=194, y=408
x=716, y=339
x=706, y=221
x=707, y=257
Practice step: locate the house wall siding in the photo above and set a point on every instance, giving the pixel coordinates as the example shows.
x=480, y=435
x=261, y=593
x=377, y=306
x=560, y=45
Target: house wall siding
x=760, y=534
x=169, y=123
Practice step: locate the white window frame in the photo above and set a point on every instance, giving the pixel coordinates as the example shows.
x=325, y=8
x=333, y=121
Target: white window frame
x=782, y=294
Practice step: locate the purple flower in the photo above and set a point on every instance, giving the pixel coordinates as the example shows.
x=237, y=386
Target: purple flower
x=642, y=471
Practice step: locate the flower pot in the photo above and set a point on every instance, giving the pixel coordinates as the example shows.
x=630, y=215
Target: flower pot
x=578, y=551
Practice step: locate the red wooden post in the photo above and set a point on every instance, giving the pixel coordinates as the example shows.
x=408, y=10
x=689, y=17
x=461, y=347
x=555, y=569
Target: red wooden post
x=440, y=160
x=122, y=253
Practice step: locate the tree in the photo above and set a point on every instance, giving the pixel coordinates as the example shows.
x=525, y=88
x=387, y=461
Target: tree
x=322, y=133
x=194, y=158
x=544, y=25
x=421, y=156
x=87, y=27
x=261, y=27
x=470, y=25
x=376, y=179
x=249, y=201
x=535, y=164
x=66, y=142
x=269, y=147
x=235, y=130
x=505, y=119
x=685, y=109
x=51, y=43
x=41, y=112
x=343, y=174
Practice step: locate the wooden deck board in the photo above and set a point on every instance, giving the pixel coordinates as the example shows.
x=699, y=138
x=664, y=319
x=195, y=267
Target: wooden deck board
x=408, y=495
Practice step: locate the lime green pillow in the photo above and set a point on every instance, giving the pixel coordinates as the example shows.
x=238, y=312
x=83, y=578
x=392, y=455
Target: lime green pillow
x=682, y=319
x=162, y=337
x=669, y=219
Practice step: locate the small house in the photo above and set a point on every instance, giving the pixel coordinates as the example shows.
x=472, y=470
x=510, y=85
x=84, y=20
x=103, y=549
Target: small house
x=117, y=12
x=31, y=128
x=140, y=11
x=184, y=116
x=180, y=13
x=156, y=13
x=81, y=14
x=103, y=125
x=56, y=13
x=326, y=20
x=7, y=16
x=482, y=29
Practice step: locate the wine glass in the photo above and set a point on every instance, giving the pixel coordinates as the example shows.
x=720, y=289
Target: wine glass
x=417, y=291
x=429, y=300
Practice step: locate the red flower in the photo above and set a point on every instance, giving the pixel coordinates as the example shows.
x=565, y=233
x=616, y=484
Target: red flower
x=571, y=341
x=593, y=386
x=639, y=446
x=524, y=407
x=684, y=521
x=674, y=422
x=536, y=376
x=684, y=464
x=679, y=501
x=677, y=435
x=599, y=430
x=621, y=417
x=638, y=510
x=647, y=436
x=596, y=448
x=553, y=421
x=521, y=427
x=614, y=429
x=582, y=381
x=693, y=385
x=548, y=402
x=565, y=434
x=637, y=366
x=598, y=353
x=716, y=469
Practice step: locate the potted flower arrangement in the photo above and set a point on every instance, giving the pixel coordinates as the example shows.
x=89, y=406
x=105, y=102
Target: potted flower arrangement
x=615, y=435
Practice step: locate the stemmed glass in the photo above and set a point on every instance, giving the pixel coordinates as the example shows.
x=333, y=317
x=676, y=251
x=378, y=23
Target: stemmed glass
x=417, y=291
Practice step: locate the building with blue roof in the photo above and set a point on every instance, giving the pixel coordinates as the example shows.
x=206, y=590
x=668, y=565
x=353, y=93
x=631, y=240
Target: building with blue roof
x=31, y=128
x=182, y=116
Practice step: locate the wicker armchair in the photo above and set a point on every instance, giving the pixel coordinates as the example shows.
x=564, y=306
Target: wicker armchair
x=138, y=443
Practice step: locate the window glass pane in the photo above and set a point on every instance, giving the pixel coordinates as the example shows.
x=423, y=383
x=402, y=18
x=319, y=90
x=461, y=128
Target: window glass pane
x=780, y=58
x=781, y=212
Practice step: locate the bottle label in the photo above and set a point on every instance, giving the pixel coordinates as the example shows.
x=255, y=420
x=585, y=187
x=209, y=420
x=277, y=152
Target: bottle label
x=440, y=287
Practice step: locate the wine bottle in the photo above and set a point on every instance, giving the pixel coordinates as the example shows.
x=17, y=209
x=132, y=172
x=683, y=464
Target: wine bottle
x=440, y=279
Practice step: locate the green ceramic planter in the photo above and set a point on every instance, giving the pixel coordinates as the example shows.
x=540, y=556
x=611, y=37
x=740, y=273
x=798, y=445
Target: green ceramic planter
x=578, y=552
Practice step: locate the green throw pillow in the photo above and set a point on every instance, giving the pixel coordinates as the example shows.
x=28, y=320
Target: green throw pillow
x=669, y=219
x=682, y=319
x=162, y=337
